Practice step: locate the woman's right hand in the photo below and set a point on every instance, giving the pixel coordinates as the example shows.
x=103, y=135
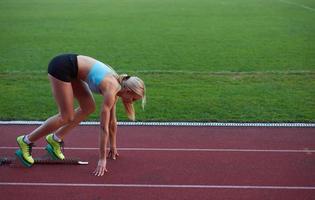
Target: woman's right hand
x=101, y=167
x=113, y=153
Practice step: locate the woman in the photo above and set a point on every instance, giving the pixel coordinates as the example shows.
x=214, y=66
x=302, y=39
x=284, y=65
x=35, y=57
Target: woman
x=75, y=76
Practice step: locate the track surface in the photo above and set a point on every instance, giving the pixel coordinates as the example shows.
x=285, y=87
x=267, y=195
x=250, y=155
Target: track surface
x=171, y=163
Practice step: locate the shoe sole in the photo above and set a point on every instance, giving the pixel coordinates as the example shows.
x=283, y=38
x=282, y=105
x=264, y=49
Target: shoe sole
x=19, y=155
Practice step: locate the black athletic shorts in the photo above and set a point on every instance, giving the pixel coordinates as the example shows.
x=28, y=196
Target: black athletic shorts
x=64, y=67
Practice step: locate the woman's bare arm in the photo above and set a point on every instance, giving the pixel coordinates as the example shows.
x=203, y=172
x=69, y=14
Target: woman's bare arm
x=113, y=153
x=108, y=104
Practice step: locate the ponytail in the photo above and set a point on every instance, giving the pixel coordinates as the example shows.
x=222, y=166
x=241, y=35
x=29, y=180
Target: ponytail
x=122, y=77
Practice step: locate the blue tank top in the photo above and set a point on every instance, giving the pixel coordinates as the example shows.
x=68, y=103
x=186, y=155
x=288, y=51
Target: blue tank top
x=97, y=73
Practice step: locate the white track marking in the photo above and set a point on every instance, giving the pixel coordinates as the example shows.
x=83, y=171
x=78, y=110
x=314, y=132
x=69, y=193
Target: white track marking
x=187, y=72
x=190, y=124
x=255, y=187
x=298, y=5
x=189, y=150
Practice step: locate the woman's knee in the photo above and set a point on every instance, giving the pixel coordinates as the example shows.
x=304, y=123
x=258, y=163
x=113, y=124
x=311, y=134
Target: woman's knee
x=89, y=108
x=66, y=118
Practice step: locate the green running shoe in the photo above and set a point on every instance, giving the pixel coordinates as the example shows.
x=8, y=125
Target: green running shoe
x=54, y=148
x=24, y=154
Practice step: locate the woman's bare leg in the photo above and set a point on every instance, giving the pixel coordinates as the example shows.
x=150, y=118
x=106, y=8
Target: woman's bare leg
x=87, y=105
x=63, y=93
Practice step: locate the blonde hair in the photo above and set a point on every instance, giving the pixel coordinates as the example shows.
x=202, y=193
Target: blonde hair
x=136, y=85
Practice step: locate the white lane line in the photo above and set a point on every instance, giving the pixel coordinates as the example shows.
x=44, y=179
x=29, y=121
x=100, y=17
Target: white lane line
x=298, y=5
x=158, y=71
x=189, y=150
x=255, y=187
x=189, y=124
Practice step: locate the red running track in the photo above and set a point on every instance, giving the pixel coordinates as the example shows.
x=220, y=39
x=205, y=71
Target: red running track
x=171, y=163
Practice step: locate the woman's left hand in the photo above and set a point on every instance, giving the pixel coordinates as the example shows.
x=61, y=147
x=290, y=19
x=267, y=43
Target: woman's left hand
x=113, y=153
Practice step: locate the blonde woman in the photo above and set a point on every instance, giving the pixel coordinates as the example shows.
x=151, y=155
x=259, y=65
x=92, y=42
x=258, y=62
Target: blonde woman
x=77, y=76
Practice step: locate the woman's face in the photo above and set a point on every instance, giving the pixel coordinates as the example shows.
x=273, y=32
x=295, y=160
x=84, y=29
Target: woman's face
x=129, y=96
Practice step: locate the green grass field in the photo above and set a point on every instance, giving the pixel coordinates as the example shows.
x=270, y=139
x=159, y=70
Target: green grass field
x=202, y=60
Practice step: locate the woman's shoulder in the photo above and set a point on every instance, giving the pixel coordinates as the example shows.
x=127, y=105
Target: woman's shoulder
x=110, y=84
